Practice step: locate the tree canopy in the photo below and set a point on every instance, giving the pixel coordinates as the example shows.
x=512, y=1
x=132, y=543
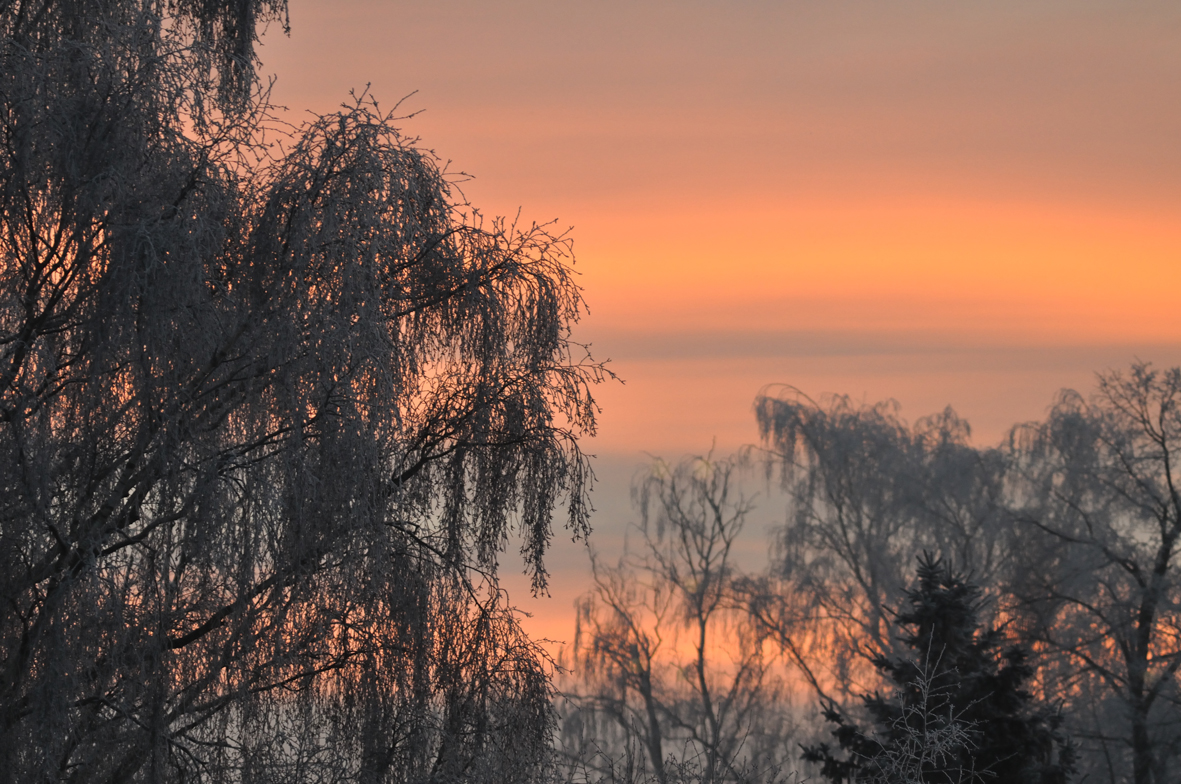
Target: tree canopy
x=271, y=401
x=1095, y=497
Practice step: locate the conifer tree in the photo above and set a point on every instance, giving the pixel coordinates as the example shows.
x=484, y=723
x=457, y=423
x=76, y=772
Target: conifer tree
x=958, y=710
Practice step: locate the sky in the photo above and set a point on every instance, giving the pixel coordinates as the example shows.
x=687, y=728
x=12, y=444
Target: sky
x=972, y=204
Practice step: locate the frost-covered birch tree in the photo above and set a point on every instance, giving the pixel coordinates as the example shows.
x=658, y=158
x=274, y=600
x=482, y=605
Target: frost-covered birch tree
x=867, y=492
x=271, y=401
x=1096, y=491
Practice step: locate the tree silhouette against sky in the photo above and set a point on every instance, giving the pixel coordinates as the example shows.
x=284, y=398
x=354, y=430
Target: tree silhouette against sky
x=271, y=401
x=958, y=710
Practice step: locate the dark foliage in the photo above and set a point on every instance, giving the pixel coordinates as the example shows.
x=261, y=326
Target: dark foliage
x=960, y=702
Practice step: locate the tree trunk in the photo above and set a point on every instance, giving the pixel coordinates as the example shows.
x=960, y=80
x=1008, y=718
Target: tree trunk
x=1142, y=757
x=655, y=747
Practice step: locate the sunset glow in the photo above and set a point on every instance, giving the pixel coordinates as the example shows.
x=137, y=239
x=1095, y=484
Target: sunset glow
x=971, y=205
x=628, y=391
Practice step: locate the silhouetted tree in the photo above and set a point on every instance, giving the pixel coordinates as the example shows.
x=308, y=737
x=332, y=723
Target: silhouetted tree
x=664, y=650
x=1097, y=493
x=958, y=708
x=267, y=415
x=867, y=491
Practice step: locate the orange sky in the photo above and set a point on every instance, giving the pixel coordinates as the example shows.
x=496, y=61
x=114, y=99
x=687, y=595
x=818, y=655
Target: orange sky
x=972, y=204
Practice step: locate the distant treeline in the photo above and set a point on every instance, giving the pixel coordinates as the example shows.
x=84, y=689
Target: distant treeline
x=1062, y=541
